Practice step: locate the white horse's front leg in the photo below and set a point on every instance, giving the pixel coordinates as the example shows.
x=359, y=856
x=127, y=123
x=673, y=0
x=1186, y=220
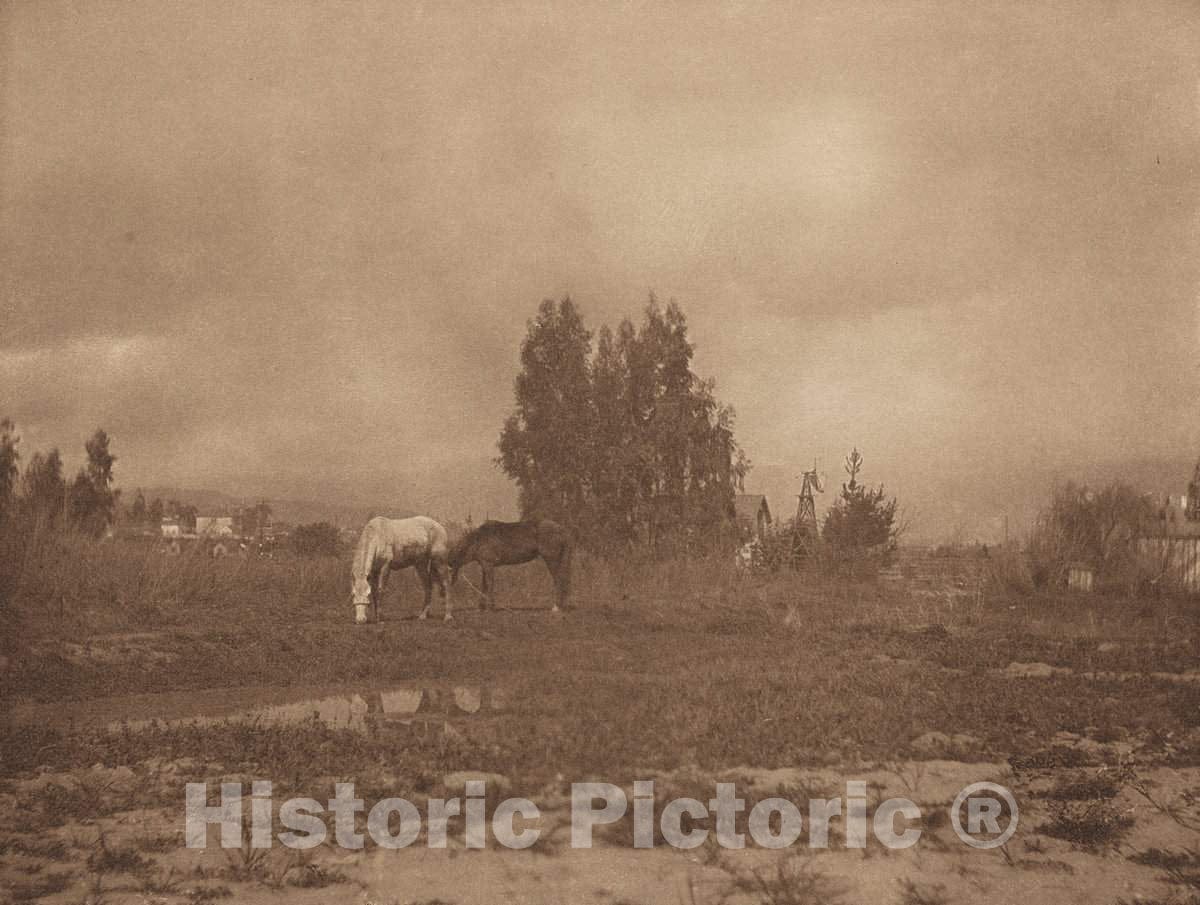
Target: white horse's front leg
x=374, y=598
x=380, y=585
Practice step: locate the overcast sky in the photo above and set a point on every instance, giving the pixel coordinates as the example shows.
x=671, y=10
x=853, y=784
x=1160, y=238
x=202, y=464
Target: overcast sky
x=290, y=248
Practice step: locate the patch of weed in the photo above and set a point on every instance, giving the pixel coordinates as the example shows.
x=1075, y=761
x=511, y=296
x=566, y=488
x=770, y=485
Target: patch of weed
x=1090, y=789
x=39, y=886
x=1094, y=825
x=913, y=893
x=116, y=860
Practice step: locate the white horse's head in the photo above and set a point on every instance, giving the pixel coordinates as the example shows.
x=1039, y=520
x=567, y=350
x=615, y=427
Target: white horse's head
x=360, y=589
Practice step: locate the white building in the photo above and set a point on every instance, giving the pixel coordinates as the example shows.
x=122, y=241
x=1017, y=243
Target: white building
x=214, y=526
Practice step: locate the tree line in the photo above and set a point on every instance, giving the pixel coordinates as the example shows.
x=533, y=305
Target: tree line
x=249, y=521
x=620, y=441
x=152, y=513
x=41, y=493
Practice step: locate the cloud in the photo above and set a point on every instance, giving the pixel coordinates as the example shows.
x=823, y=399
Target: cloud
x=299, y=249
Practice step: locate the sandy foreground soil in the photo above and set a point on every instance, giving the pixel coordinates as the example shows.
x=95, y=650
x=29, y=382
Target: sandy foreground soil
x=138, y=856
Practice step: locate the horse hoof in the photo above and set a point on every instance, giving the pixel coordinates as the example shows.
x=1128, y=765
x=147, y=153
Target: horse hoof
x=423, y=616
x=447, y=618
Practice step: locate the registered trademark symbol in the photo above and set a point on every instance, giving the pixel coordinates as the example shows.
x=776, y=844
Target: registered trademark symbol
x=985, y=806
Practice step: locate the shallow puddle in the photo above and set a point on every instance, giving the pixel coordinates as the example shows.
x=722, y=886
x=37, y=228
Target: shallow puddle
x=371, y=709
x=361, y=711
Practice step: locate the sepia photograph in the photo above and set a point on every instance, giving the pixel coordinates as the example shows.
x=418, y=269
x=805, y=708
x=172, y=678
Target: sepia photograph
x=723, y=452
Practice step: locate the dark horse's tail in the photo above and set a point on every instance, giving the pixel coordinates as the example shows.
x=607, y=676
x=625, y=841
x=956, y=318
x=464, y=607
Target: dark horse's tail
x=568, y=553
x=563, y=541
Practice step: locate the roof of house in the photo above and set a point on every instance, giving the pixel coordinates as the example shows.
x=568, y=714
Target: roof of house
x=746, y=506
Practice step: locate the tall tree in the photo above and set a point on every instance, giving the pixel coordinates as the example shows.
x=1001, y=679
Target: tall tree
x=631, y=442
x=862, y=517
x=545, y=443
x=92, y=499
x=9, y=464
x=613, y=460
x=253, y=521
x=262, y=517
x=43, y=489
x=84, y=505
x=99, y=460
x=186, y=513
x=137, y=512
x=690, y=464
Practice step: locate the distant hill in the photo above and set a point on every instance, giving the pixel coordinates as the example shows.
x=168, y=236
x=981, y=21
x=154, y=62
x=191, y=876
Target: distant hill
x=469, y=488
x=292, y=512
x=941, y=504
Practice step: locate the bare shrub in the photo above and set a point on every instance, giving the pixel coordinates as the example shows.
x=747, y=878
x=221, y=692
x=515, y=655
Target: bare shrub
x=1099, y=528
x=1008, y=571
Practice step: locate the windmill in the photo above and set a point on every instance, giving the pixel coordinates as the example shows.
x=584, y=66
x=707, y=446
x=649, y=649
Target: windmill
x=806, y=535
x=1192, y=512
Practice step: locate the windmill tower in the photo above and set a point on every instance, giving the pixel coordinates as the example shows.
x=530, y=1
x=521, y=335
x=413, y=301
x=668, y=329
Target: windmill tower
x=806, y=534
x=1192, y=512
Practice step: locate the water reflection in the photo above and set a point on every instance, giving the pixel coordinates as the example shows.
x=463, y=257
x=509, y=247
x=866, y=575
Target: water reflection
x=359, y=711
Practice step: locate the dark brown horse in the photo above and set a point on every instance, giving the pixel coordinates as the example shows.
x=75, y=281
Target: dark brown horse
x=511, y=543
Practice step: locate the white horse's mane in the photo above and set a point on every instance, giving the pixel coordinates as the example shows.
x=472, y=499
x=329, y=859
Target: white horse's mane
x=364, y=553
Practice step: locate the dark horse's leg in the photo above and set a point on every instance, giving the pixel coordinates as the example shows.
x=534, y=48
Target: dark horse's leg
x=488, y=577
x=427, y=585
x=567, y=566
x=559, y=564
x=439, y=571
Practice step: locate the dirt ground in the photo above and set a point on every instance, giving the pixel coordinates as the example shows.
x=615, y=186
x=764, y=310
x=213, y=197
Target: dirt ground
x=1088, y=711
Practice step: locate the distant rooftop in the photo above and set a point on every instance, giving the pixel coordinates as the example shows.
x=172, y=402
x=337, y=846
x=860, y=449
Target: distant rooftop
x=746, y=506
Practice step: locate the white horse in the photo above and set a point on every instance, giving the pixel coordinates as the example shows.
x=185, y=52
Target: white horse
x=388, y=544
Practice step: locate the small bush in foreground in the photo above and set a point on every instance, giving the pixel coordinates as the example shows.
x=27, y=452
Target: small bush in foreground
x=1095, y=825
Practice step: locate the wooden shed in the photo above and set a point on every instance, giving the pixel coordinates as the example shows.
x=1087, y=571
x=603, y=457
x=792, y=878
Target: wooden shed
x=753, y=514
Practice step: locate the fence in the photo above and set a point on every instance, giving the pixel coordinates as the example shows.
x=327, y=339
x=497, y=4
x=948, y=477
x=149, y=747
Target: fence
x=937, y=571
x=1177, y=558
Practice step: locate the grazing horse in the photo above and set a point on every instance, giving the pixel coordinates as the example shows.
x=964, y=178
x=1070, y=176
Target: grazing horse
x=387, y=544
x=511, y=543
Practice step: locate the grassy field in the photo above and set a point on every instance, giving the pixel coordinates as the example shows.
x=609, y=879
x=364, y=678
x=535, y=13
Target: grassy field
x=669, y=660
x=680, y=668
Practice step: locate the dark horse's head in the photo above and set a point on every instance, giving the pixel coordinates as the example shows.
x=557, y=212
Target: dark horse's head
x=462, y=551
